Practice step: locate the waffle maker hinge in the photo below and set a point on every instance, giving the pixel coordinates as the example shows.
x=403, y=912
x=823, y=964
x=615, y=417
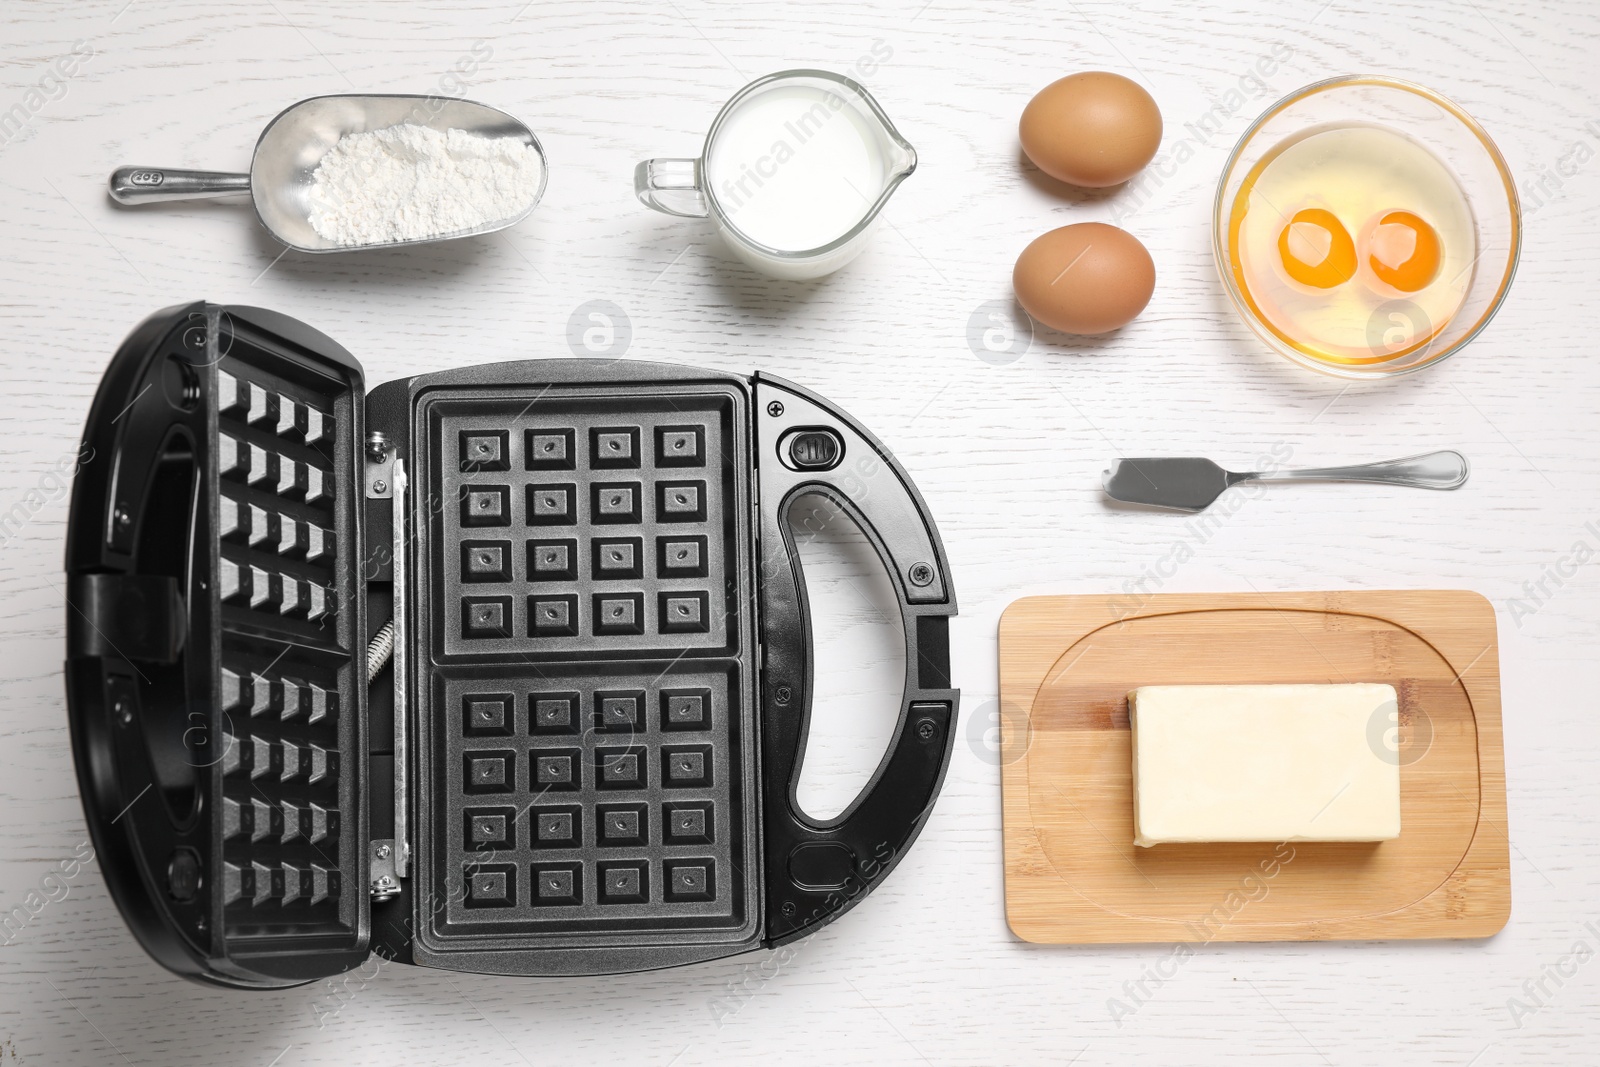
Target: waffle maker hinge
x=386, y=478
x=402, y=833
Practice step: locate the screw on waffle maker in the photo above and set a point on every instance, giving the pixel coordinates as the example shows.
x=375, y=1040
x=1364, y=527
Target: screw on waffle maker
x=502, y=669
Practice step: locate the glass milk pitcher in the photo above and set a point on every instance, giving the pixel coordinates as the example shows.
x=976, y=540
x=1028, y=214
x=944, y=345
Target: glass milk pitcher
x=794, y=172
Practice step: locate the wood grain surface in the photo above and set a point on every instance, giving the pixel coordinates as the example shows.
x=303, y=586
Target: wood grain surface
x=1006, y=446
x=1073, y=874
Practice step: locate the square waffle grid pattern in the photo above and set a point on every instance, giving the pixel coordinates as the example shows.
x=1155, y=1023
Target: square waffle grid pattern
x=593, y=776
x=579, y=806
x=284, y=711
x=584, y=531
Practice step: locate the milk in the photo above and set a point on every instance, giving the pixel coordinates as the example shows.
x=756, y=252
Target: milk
x=797, y=166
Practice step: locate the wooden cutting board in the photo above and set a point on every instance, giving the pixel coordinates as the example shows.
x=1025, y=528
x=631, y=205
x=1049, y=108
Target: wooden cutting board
x=1073, y=874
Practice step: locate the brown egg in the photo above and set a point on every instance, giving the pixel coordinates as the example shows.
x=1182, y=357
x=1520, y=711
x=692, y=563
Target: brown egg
x=1092, y=129
x=1088, y=278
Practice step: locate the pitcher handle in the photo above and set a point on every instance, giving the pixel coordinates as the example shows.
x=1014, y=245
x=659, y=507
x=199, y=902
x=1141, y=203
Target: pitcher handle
x=671, y=186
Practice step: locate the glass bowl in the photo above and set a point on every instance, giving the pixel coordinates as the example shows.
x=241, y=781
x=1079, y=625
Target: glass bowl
x=1456, y=141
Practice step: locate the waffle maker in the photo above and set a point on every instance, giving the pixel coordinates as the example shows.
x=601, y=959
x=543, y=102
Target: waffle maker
x=502, y=669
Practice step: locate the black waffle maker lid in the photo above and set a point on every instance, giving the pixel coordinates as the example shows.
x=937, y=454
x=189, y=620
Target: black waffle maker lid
x=504, y=669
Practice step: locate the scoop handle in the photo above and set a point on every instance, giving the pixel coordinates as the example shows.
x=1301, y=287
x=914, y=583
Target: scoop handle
x=151, y=185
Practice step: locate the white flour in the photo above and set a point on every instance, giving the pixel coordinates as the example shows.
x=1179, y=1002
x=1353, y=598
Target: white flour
x=408, y=183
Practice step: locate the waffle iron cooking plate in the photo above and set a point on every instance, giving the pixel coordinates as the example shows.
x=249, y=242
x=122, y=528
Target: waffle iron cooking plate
x=580, y=756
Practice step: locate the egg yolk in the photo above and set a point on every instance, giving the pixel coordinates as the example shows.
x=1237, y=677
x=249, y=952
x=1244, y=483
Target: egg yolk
x=1403, y=251
x=1317, y=250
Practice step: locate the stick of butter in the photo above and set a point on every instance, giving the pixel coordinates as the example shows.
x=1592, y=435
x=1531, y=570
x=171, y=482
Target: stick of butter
x=1264, y=763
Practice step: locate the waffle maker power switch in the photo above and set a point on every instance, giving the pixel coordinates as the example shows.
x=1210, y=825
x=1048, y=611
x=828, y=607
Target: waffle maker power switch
x=811, y=450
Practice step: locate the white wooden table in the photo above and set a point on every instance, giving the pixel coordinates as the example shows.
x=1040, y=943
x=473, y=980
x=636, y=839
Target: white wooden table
x=1008, y=457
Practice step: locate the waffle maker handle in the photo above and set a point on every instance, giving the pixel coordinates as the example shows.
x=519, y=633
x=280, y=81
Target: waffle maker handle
x=817, y=870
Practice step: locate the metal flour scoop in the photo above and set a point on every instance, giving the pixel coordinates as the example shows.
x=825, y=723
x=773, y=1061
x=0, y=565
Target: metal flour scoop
x=294, y=143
